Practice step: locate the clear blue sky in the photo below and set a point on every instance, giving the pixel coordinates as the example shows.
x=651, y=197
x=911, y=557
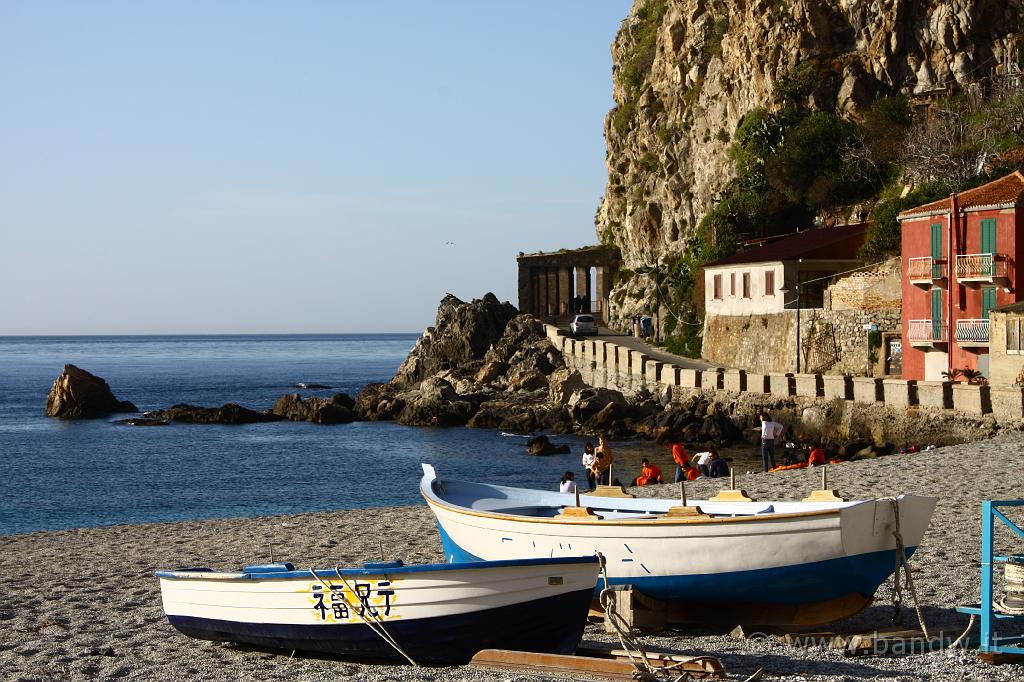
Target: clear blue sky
x=241, y=166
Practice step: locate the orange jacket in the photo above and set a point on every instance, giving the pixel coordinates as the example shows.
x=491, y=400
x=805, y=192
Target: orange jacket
x=679, y=454
x=649, y=474
x=692, y=474
x=817, y=456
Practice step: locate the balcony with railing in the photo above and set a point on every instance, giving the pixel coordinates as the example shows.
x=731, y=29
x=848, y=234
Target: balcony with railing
x=925, y=271
x=972, y=333
x=980, y=268
x=927, y=332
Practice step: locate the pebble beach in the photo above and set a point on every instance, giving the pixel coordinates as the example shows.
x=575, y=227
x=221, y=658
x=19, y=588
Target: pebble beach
x=84, y=604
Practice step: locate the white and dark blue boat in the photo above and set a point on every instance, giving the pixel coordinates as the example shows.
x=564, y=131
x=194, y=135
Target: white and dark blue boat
x=441, y=613
x=769, y=563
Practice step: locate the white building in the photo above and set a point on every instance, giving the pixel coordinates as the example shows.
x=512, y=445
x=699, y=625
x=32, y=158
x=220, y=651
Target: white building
x=764, y=280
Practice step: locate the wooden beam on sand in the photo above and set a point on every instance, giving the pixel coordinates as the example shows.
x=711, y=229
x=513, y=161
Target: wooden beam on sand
x=597, y=664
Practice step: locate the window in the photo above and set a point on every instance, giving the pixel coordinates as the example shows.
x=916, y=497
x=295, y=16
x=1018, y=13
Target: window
x=1013, y=336
x=717, y=287
x=746, y=285
x=769, y=283
x=732, y=283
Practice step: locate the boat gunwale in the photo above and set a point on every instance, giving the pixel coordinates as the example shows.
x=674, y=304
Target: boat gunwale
x=396, y=571
x=663, y=520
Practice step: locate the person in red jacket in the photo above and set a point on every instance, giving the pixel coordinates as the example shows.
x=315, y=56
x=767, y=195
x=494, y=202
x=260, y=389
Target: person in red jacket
x=681, y=459
x=649, y=473
x=816, y=456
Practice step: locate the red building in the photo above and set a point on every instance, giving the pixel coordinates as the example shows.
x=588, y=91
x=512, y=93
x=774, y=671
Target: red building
x=959, y=262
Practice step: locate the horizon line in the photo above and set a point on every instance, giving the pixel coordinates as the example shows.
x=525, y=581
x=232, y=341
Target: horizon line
x=209, y=334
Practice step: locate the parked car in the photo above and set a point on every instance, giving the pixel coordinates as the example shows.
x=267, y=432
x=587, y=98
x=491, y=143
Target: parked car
x=583, y=324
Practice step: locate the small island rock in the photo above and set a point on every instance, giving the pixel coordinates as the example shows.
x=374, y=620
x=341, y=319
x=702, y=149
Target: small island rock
x=77, y=394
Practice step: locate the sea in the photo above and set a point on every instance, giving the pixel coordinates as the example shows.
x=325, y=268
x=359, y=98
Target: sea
x=57, y=474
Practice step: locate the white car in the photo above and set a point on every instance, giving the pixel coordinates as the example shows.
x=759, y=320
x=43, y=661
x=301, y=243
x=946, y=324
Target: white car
x=583, y=324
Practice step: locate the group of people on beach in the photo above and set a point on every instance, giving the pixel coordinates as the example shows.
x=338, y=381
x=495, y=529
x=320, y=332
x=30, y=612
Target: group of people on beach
x=597, y=461
x=597, y=464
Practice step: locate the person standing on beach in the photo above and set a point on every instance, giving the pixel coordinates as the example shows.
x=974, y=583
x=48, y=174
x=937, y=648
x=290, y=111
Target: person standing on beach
x=589, y=460
x=681, y=459
x=770, y=432
x=604, y=459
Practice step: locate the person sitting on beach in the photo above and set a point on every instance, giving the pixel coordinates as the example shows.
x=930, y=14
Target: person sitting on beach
x=816, y=456
x=717, y=468
x=603, y=461
x=681, y=459
x=568, y=484
x=690, y=472
x=588, y=465
x=649, y=473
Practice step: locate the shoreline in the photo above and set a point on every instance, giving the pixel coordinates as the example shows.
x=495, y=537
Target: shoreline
x=83, y=602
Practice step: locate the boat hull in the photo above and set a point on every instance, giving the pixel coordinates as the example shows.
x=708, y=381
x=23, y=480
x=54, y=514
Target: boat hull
x=811, y=565
x=541, y=626
x=436, y=614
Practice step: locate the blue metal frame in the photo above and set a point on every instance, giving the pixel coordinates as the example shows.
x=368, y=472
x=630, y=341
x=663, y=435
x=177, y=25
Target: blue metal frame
x=990, y=641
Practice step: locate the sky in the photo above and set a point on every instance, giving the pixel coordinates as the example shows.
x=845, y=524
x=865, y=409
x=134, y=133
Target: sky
x=290, y=167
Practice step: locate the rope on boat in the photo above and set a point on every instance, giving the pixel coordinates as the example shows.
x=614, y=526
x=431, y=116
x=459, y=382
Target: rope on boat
x=963, y=635
x=376, y=626
x=902, y=564
x=635, y=651
x=1013, y=603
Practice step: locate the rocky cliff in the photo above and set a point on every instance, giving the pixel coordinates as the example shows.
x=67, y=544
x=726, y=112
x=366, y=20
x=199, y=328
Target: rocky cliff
x=687, y=71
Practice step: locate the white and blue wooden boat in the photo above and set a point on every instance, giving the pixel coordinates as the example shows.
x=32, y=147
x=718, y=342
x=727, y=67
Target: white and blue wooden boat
x=441, y=613
x=767, y=563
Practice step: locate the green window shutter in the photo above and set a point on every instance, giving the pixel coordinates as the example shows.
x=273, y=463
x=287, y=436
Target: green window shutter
x=936, y=314
x=988, y=235
x=936, y=241
x=936, y=250
x=988, y=301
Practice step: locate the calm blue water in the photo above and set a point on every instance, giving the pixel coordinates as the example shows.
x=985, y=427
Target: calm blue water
x=56, y=474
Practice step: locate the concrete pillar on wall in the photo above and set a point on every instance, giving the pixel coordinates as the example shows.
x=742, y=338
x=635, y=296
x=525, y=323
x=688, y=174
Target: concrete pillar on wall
x=603, y=289
x=564, y=290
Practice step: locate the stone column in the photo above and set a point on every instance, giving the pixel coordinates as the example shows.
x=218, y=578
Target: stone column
x=564, y=290
x=583, y=285
x=551, y=299
x=526, y=296
x=603, y=290
x=542, y=291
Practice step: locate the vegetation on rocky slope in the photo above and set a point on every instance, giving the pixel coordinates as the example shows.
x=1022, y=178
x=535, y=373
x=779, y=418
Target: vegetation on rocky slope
x=737, y=121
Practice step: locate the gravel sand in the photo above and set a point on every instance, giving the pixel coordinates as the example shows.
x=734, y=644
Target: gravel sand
x=84, y=603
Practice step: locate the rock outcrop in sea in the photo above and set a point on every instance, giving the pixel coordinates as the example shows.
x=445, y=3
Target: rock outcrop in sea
x=504, y=374
x=77, y=394
x=229, y=413
x=338, y=409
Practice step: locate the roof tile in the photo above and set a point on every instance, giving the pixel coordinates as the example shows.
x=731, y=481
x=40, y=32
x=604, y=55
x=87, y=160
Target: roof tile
x=1008, y=189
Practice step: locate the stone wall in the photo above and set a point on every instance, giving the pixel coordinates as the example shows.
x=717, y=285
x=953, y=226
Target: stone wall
x=831, y=341
x=759, y=343
x=889, y=409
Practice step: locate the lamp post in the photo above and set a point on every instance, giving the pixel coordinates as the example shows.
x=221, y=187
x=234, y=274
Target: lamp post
x=785, y=292
x=798, y=328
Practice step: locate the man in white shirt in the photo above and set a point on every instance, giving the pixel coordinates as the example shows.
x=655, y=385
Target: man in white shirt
x=770, y=432
x=702, y=460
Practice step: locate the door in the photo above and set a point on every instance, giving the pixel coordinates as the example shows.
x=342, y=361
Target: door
x=988, y=245
x=936, y=314
x=936, y=250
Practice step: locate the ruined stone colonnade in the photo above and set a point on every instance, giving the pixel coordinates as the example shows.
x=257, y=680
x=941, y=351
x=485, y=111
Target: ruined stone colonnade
x=549, y=282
